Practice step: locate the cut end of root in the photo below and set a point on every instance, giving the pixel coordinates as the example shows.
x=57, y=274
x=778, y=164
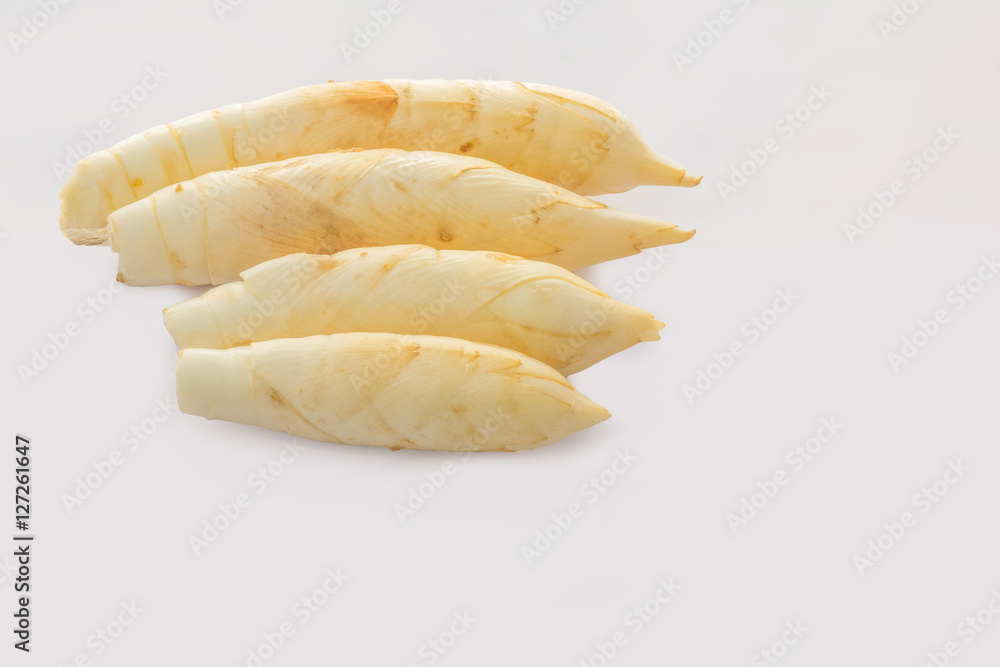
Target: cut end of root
x=83, y=207
x=201, y=379
x=192, y=324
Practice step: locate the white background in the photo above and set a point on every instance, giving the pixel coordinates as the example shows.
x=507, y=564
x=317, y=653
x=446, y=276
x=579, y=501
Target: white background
x=663, y=518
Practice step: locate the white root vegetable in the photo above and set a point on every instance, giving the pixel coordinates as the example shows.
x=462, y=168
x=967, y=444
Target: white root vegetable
x=420, y=392
x=536, y=308
x=210, y=229
x=573, y=139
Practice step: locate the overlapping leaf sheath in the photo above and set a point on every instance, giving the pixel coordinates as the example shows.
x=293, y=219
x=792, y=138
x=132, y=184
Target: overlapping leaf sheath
x=386, y=390
x=536, y=308
x=561, y=136
x=210, y=229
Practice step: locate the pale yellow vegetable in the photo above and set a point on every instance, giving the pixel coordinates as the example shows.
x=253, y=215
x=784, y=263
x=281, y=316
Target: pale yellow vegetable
x=419, y=392
x=210, y=229
x=536, y=308
x=558, y=135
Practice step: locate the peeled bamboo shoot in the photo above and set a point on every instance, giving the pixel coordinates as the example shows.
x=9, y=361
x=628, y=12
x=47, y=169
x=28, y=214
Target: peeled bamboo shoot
x=536, y=308
x=561, y=136
x=210, y=229
x=419, y=392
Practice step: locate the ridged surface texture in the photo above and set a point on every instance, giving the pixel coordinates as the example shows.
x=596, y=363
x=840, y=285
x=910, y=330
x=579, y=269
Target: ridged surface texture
x=536, y=308
x=212, y=228
x=557, y=135
x=386, y=390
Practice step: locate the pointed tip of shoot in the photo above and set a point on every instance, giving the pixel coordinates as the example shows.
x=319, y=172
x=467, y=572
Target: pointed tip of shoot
x=657, y=169
x=651, y=333
x=83, y=206
x=689, y=181
x=666, y=235
x=591, y=413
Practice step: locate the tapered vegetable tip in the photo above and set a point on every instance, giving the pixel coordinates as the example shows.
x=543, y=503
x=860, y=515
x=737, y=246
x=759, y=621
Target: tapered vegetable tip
x=655, y=169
